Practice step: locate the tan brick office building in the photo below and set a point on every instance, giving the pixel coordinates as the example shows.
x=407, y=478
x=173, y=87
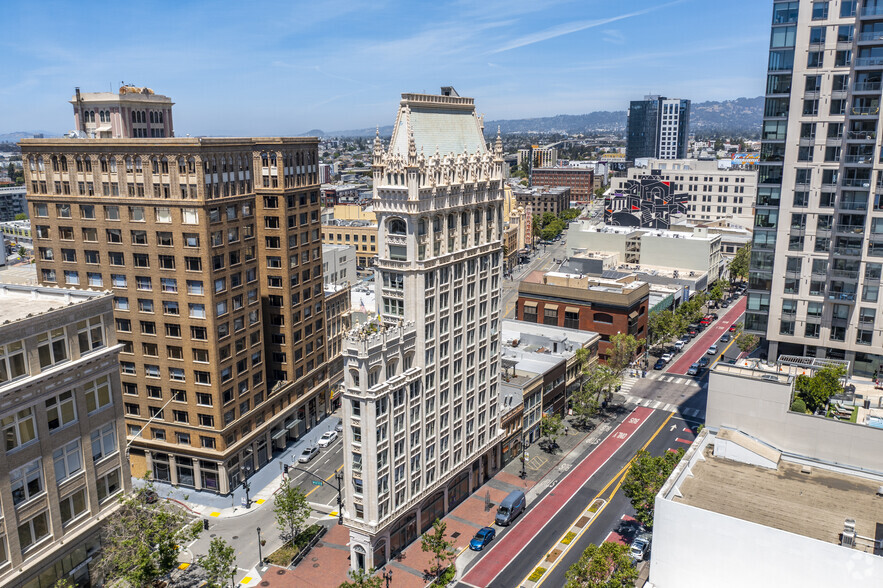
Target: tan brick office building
x=212, y=248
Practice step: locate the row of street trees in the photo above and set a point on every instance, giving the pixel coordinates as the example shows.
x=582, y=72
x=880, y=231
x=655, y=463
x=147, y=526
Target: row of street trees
x=549, y=226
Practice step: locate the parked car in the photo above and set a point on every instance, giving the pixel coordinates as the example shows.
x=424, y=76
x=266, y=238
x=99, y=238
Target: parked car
x=725, y=303
x=659, y=365
x=686, y=338
x=666, y=357
x=679, y=345
x=327, y=438
x=640, y=547
x=700, y=327
x=714, y=316
x=693, y=332
x=712, y=350
x=703, y=362
x=725, y=338
x=733, y=328
x=694, y=369
x=308, y=454
x=484, y=536
x=706, y=321
x=512, y=506
x=339, y=427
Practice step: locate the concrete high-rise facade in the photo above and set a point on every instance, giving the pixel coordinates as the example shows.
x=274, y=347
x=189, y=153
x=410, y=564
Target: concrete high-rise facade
x=420, y=404
x=658, y=127
x=818, y=235
x=212, y=249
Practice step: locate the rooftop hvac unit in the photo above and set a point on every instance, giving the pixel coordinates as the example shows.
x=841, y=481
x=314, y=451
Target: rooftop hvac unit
x=847, y=539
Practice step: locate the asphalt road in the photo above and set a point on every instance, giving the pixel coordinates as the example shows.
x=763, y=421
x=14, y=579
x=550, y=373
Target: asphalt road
x=520, y=567
x=321, y=468
x=611, y=518
x=543, y=259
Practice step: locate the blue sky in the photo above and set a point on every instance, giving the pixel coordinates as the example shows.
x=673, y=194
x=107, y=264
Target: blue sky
x=282, y=68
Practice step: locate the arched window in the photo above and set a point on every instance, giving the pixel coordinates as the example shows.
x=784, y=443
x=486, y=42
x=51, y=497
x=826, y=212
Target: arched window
x=397, y=226
x=182, y=166
x=134, y=116
x=422, y=227
x=265, y=160
x=138, y=165
x=602, y=317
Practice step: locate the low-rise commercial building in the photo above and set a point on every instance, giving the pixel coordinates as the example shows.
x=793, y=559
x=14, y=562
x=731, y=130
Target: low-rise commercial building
x=580, y=180
x=338, y=264
x=61, y=413
x=542, y=200
x=333, y=194
x=604, y=306
x=360, y=234
x=698, y=251
x=797, y=495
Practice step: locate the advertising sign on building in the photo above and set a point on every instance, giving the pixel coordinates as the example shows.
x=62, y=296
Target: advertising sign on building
x=528, y=225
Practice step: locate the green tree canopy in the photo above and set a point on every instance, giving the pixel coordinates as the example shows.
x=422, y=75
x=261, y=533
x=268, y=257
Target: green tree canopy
x=622, y=351
x=741, y=262
x=550, y=427
x=603, y=566
x=219, y=564
x=141, y=541
x=645, y=478
x=747, y=342
x=362, y=579
x=439, y=545
x=292, y=511
x=816, y=390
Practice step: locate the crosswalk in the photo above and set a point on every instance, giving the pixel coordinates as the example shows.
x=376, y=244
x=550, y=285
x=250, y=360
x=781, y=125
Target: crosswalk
x=629, y=381
x=667, y=407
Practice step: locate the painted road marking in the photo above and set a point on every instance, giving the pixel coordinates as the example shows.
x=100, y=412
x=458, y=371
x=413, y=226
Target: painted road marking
x=687, y=441
x=245, y=580
x=214, y=514
x=326, y=479
x=511, y=545
x=621, y=477
x=183, y=566
x=260, y=501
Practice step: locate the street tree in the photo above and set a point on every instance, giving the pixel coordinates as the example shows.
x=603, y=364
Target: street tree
x=63, y=583
x=747, y=342
x=816, y=390
x=645, y=478
x=716, y=293
x=439, y=545
x=661, y=327
x=602, y=379
x=603, y=566
x=219, y=564
x=141, y=541
x=584, y=403
x=362, y=579
x=21, y=216
x=292, y=511
x=623, y=349
x=740, y=263
x=550, y=427
x=22, y=252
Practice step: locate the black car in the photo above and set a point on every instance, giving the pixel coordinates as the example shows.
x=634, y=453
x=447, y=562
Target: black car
x=725, y=303
x=725, y=338
x=660, y=364
x=703, y=362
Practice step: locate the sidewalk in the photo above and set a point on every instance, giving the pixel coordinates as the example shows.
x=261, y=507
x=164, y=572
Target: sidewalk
x=262, y=484
x=328, y=562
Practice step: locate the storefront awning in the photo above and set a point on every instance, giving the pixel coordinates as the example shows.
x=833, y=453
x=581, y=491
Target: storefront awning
x=551, y=307
x=293, y=424
x=530, y=303
x=633, y=314
x=571, y=309
x=279, y=434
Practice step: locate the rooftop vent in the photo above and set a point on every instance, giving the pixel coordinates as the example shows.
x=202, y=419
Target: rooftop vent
x=880, y=491
x=806, y=470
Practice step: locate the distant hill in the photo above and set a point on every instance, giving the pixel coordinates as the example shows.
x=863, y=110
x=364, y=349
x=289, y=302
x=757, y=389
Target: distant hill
x=13, y=137
x=742, y=115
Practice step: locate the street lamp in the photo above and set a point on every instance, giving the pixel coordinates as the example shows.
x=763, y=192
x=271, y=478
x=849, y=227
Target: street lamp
x=260, y=553
x=523, y=472
x=387, y=576
x=246, y=471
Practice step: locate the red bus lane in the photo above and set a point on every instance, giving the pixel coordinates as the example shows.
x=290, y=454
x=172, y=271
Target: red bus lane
x=708, y=338
x=512, y=543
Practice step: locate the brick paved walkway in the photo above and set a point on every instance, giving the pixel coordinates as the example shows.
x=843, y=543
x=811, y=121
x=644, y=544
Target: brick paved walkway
x=327, y=564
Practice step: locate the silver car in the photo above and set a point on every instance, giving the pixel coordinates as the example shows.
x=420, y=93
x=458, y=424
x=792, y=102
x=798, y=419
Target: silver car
x=307, y=454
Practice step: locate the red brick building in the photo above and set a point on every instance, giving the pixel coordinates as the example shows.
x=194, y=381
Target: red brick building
x=579, y=180
x=586, y=303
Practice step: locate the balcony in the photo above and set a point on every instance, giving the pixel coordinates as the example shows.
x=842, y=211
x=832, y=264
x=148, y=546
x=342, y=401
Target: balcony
x=872, y=10
x=849, y=229
x=847, y=251
x=861, y=135
x=860, y=87
x=859, y=159
x=866, y=110
x=845, y=274
x=872, y=36
x=842, y=296
x=856, y=182
x=852, y=205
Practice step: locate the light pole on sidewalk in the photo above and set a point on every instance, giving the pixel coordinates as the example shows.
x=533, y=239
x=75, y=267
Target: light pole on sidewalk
x=387, y=577
x=523, y=472
x=260, y=552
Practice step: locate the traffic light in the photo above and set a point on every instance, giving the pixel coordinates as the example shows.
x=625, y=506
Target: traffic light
x=205, y=524
x=285, y=468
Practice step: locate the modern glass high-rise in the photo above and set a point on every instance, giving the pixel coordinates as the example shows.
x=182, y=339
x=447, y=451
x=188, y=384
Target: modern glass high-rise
x=658, y=127
x=818, y=236
x=421, y=425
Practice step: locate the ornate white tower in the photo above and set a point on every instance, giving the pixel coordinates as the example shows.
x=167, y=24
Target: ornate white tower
x=420, y=407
